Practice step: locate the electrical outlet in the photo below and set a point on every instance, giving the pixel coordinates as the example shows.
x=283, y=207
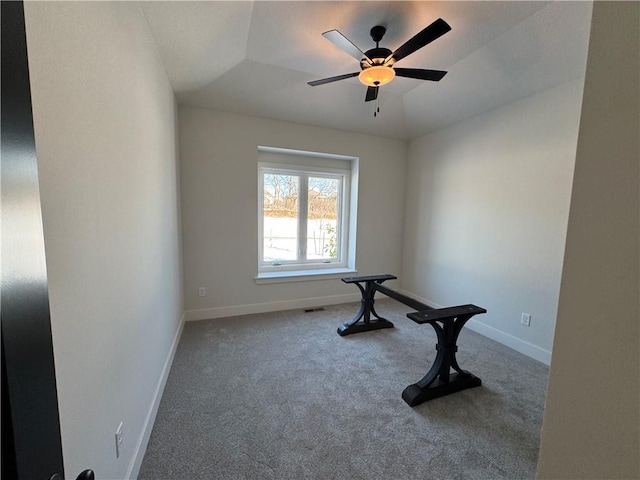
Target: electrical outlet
x=202, y=292
x=118, y=440
x=526, y=319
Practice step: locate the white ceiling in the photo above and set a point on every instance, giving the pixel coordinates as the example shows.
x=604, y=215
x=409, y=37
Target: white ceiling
x=256, y=58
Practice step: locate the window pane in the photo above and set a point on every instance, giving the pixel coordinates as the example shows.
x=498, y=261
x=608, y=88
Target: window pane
x=322, y=218
x=280, y=221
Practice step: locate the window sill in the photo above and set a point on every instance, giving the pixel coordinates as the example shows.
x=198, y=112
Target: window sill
x=303, y=275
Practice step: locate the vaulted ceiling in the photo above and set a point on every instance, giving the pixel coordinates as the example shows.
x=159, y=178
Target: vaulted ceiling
x=256, y=58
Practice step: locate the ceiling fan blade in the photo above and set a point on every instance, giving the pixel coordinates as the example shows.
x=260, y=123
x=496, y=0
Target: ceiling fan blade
x=420, y=74
x=372, y=94
x=344, y=44
x=426, y=36
x=315, y=83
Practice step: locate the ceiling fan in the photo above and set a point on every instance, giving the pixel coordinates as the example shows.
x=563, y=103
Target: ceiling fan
x=377, y=64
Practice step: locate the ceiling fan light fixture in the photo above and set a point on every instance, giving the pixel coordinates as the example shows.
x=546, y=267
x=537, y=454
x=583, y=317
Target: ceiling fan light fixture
x=377, y=75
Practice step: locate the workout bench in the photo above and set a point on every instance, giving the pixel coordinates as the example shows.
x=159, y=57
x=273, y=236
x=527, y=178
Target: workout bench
x=447, y=322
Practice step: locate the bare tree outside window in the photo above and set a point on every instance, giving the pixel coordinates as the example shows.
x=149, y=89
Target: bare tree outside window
x=322, y=227
x=280, y=209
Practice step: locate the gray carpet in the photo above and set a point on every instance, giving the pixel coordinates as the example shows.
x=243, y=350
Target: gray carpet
x=282, y=396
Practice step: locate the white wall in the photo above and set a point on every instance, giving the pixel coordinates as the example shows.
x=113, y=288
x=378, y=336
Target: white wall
x=218, y=157
x=591, y=426
x=104, y=118
x=486, y=216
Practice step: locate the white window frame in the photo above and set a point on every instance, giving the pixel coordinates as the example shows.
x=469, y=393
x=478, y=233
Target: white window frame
x=305, y=165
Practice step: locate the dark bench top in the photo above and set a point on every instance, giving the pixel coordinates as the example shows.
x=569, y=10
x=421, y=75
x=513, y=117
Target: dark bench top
x=369, y=278
x=428, y=316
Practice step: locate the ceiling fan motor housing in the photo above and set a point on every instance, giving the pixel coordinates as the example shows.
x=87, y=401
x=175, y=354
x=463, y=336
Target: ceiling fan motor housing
x=377, y=56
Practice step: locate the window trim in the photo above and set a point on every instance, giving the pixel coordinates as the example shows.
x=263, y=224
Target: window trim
x=310, y=165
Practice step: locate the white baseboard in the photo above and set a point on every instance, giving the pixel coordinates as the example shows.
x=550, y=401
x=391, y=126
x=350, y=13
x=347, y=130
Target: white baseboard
x=515, y=343
x=506, y=339
x=493, y=333
x=235, y=310
x=420, y=299
x=143, y=441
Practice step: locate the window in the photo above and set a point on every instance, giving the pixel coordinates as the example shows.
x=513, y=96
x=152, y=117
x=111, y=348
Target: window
x=306, y=213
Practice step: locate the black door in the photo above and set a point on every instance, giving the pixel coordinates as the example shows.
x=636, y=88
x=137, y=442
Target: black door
x=31, y=444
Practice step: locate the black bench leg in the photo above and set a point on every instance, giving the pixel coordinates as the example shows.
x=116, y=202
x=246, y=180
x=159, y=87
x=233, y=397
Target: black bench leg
x=366, y=309
x=439, y=381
